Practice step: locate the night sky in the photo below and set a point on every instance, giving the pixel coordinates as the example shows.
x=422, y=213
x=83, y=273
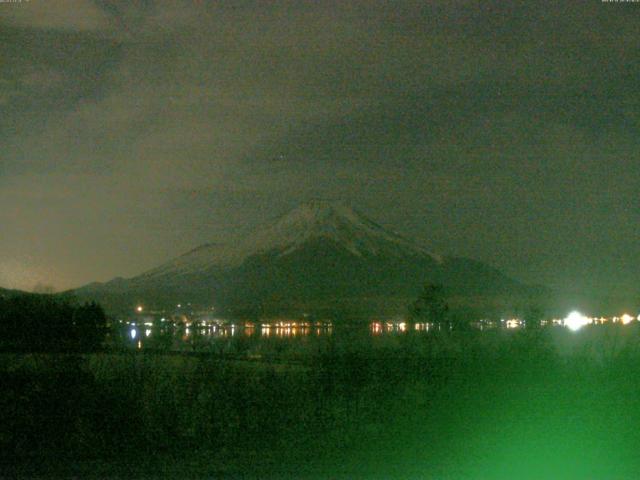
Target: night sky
x=132, y=131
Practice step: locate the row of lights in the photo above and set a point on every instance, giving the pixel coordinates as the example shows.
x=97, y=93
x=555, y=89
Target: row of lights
x=575, y=320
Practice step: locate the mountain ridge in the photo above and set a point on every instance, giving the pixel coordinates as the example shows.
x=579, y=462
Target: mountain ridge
x=311, y=219
x=318, y=252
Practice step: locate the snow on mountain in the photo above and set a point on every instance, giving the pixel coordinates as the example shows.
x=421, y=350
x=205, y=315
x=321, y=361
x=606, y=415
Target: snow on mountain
x=312, y=220
x=319, y=254
x=339, y=223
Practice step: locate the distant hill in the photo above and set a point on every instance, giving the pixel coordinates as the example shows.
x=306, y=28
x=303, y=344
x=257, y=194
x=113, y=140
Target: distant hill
x=320, y=256
x=65, y=296
x=5, y=292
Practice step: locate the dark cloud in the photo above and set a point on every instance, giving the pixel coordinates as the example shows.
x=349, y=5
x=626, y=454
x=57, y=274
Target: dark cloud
x=132, y=131
x=62, y=15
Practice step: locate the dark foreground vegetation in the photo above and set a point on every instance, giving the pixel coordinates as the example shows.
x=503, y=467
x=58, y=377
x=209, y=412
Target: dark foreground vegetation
x=477, y=405
x=49, y=323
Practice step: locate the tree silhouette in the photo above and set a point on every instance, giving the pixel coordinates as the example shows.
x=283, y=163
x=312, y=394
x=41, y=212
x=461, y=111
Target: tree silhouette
x=533, y=317
x=32, y=322
x=430, y=306
x=89, y=325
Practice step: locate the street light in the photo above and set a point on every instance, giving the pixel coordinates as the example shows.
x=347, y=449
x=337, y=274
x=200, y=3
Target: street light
x=575, y=321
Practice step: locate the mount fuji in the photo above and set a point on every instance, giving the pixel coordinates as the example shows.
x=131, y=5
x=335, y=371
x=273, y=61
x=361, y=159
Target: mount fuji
x=319, y=256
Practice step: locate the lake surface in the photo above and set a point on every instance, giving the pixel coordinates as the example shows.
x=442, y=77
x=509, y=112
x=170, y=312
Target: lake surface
x=248, y=337
x=298, y=340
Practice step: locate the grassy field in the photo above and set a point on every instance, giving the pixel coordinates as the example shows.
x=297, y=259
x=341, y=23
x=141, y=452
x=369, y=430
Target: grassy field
x=492, y=405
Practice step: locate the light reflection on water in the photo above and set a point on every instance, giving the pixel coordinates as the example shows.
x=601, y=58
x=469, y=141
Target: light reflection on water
x=381, y=328
x=198, y=336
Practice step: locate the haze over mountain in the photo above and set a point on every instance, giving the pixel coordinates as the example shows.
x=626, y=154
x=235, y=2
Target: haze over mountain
x=319, y=256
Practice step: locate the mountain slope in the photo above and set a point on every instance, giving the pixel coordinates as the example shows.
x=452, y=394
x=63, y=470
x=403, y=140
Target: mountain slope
x=319, y=254
x=343, y=226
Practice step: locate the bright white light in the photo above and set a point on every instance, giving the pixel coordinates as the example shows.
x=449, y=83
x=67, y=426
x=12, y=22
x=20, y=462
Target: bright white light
x=147, y=332
x=575, y=321
x=133, y=333
x=139, y=308
x=626, y=318
x=513, y=323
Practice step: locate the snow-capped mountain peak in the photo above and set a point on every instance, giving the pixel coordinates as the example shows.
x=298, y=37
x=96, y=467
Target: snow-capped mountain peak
x=317, y=219
x=336, y=222
x=319, y=254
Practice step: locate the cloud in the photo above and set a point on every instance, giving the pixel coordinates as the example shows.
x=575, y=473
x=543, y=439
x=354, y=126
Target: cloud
x=71, y=15
x=156, y=125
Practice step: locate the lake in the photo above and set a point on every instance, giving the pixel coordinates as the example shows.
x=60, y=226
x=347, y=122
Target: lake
x=253, y=338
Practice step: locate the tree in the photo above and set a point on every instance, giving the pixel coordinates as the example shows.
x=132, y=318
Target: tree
x=41, y=323
x=533, y=317
x=89, y=325
x=430, y=307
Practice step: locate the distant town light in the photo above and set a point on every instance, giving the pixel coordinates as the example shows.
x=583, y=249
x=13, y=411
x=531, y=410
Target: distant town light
x=139, y=308
x=133, y=333
x=626, y=318
x=514, y=323
x=575, y=321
